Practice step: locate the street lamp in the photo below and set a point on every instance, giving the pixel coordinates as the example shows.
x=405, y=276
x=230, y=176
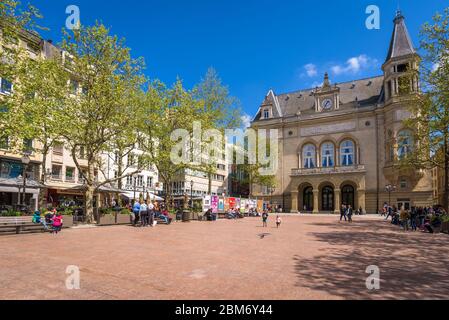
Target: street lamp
x=272, y=190
x=191, y=195
x=25, y=162
x=390, y=188
x=135, y=187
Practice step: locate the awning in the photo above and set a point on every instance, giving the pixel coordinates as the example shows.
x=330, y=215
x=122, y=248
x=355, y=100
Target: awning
x=18, y=183
x=130, y=196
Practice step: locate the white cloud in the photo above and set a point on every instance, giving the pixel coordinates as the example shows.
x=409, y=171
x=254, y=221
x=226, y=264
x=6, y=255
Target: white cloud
x=246, y=121
x=354, y=65
x=311, y=70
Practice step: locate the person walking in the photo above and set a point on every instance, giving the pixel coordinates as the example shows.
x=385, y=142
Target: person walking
x=57, y=223
x=278, y=221
x=403, y=217
x=265, y=219
x=151, y=214
x=413, y=219
x=343, y=213
x=143, y=214
x=349, y=213
x=136, y=211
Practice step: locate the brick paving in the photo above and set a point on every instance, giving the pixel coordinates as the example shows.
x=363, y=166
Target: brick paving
x=307, y=258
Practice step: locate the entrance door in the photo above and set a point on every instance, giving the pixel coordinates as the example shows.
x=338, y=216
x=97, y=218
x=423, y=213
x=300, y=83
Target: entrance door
x=308, y=199
x=404, y=203
x=327, y=199
x=348, y=196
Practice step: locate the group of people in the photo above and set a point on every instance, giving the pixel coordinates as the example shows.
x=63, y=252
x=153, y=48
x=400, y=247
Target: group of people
x=145, y=213
x=346, y=212
x=417, y=218
x=265, y=216
x=52, y=221
x=234, y=214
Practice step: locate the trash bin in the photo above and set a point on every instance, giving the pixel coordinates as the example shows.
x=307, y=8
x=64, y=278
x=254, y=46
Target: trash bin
x=186, y=216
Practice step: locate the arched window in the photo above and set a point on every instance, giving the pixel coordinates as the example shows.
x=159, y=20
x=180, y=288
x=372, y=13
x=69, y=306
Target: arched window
x=347, y=153
x=309, y=156
x=405, y=143
x=327, y=155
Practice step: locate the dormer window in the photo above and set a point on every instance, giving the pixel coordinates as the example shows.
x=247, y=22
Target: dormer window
x=266, y=113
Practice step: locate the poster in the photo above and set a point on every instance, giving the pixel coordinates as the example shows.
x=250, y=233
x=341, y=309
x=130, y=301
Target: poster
x=221, y=204
x=232, y=203
x=214, y=204
x=260, y=205
x=206, y=203
x=244, y=205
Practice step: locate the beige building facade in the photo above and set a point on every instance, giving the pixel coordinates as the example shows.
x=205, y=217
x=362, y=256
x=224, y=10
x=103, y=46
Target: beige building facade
x=340, y=143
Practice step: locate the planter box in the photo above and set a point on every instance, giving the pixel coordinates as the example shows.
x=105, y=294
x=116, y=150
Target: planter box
x=106, y=220
x=67, y=221
x=445, y=227
x=123, y=219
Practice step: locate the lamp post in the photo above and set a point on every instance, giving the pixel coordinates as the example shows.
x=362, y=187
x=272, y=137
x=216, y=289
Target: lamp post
x=135, y=188
x=25, y=162
x=191, y=195
x=272, y=190
x=390, y=188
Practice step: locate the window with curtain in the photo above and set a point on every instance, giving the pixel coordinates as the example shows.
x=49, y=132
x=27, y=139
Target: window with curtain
x=309, y=156
x=328, y=155
x=347, y=153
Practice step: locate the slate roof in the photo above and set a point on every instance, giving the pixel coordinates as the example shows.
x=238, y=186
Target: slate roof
x=358, y=93
x=401, y=43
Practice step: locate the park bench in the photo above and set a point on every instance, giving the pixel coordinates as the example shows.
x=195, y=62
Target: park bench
x=19, y=225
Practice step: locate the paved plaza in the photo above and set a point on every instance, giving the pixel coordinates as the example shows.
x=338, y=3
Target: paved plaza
x=309, y=257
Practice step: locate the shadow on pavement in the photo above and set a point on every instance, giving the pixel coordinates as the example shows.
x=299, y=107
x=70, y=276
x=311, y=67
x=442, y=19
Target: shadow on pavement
x=412, y=265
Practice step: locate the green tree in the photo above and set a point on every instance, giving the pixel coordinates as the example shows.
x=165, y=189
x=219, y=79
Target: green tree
x=105, y=84
x=222, y=110
x=163, y=111
x=430, y=108
x=16, y=21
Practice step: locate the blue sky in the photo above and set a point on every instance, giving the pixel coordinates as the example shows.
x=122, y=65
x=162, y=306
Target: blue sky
x=254, y=45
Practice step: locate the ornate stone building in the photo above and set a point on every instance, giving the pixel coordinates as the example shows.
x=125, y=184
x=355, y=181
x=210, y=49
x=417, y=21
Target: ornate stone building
x=340, y=143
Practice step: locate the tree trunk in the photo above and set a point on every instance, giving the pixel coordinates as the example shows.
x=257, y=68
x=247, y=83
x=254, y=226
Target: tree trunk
x=446, y=176
x=90, y=190
x=209, y=186
x=43, y=191
x=119, y=182
x=90, y=219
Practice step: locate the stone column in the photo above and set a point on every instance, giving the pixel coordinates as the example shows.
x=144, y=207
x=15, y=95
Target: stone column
x=316, y=202
x=337, y=196
x=294, y=207
x=361, y=200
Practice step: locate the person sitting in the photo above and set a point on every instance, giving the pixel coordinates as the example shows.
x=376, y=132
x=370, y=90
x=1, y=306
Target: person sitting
x=208, y=215
x=230, y=214
x=164, y=216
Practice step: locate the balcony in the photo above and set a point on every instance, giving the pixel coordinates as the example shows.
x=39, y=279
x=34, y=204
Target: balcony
x=326, y=171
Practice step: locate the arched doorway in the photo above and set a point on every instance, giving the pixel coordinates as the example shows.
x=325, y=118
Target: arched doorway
x=308, y=199
x=348, y=195
x=327, y=199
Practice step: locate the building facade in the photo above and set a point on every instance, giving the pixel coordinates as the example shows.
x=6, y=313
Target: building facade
x=340, y=143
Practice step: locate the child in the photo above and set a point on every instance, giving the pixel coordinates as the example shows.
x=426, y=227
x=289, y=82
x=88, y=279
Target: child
x=278, y=221
x=264, y=219
x=57, y=223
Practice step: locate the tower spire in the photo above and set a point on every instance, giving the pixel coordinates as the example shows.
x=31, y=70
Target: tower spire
x=401, y=43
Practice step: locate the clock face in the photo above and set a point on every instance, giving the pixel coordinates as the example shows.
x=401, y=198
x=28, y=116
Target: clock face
x=327, y=104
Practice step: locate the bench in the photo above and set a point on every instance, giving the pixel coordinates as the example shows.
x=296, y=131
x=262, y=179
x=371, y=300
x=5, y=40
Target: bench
x=19, y=224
